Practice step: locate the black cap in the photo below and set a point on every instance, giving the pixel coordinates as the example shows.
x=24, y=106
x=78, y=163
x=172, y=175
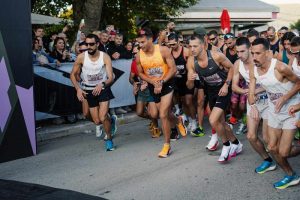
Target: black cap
x=228, y=35
x=145, y=32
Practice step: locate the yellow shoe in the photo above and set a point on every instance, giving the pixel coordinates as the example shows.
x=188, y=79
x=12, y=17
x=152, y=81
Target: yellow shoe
x=181, y=127
x=165, y=151
x=155, y=132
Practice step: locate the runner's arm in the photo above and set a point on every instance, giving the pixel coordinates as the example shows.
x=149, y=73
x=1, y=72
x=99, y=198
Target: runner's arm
x=141, y=72
x=252, y=85
x=236, y=79
x=191, y=71
x=109, y=70
x=166, y=54
x=76, y=71
x=225, y=62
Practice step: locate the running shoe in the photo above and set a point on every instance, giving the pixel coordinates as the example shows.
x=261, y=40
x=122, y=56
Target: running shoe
x=287, y=181
x=181, y=127
x=189, y=127
x=156, y=133
x=165, y=151
x=242, y=129
x=225, y=154
x=109, y=145
x=174, y=135
x=198, y=132
x=99, y=131
x=233, y=120
x=151, y=125
x=213, y=143
x=235, y=150
x=178, y=112
x=265, y=166
x=114, y=127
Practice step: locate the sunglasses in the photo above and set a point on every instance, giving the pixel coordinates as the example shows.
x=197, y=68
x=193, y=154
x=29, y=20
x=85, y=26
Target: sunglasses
x=172, y=44
x=90, y=44
x=295, y=52
x=212, y=39
x=227, y=36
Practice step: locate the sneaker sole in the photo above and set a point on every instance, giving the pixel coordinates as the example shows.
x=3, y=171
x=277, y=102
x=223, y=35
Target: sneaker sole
x=165, y=156
x=292, y=183
x=195, y=135
x=214, y=148
x=268, y=169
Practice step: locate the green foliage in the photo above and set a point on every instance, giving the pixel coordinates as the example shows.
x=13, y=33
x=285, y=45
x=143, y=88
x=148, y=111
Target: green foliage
x=296, y=25
x=123, y=14
x=50, y=7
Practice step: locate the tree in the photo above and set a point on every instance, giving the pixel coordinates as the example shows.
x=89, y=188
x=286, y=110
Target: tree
x=296, y=25
x=50, y=7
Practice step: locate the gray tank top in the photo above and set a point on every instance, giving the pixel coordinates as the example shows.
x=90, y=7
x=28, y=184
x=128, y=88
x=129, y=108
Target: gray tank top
x=211, y=74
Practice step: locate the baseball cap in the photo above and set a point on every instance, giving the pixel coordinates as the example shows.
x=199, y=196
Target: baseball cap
x=228, y=35
x=200, y=30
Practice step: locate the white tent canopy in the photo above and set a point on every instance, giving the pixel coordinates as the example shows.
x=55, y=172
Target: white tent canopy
x=44, y=19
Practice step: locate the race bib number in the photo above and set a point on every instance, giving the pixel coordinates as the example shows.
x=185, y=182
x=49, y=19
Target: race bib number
x=155, y=72
x=213, y=79
x=274, y=96
x=94, y=77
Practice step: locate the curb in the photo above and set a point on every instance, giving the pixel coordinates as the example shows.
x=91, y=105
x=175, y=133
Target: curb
x=57, y=131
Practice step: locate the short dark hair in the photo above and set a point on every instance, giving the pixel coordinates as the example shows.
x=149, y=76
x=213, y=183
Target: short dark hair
x=295, y=41
x=145, y=32
x=271, y=28
x=197, y=36
x=242, y=41
x=91, y=36
x=212, y=32
x=287, y=36
x=262, y=41
x=119, y=34
x=284, y=28
x=173, y=36
x=252, y=33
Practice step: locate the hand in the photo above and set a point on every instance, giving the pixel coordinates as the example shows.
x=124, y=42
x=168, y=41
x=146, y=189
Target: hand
x=297, y=123
x=279, y=103
x=157, y=90
x=192, y=76
x=254, y=114
x=246, y=91
x=115, y=55
x=58, y=64
x=97, y=89
x=64, y=54
x=81, y=25
x=224, y=90
x=292, y=110
x=65, y=29
x=157, y=87
x=144, y=85
x=81, y=94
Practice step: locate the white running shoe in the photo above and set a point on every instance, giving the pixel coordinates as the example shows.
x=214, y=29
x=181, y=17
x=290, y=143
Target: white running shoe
x=235, y=150
x=213, y=143
x=225, y=154
x=189, y=127
x=242, y=129
x=99, y=131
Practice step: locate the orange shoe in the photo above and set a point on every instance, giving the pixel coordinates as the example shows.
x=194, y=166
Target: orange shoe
x=181, y=127
x=155, y=132
x=165, y=151
x=233, y=120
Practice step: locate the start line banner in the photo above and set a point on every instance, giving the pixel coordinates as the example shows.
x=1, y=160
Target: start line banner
x=55, y=95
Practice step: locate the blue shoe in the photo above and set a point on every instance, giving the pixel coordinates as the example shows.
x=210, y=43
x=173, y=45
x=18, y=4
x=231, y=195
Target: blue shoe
x=109, y=145
x=265, y=166
x=287, y=181
x=114, y=127
x=198, y=132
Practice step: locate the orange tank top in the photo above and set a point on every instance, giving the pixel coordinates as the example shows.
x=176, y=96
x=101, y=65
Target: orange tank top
x=154, y=65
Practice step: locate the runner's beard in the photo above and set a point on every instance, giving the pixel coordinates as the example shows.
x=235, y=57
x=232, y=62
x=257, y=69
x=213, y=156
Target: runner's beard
x=93, y=52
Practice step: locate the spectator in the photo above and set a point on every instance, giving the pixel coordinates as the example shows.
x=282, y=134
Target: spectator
x=117, y=50
x=252, y=35
x=52, y=38
x=129, y=48
x=40, y=57
x=60, y=53
x=112, y=36
x=263, y=34
x=103, y=46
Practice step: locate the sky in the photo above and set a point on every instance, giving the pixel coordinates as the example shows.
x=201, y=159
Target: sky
x=281, y=1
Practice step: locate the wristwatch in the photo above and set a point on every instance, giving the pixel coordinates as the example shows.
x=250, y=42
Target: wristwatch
x=103, y=85
x=228, y=82
x=162, y=82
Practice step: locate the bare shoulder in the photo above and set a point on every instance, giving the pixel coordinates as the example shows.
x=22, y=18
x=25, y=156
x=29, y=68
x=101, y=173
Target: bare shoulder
x=280, y=66
x=165, y=51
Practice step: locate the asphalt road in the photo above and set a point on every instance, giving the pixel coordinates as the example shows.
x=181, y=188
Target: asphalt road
x=133, y=171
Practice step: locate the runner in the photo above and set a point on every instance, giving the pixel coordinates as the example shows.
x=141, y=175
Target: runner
x=282, y=87
x=97, y=75
x=157, y=67
x=241, y=69
x=215, y=70
x=180, y=55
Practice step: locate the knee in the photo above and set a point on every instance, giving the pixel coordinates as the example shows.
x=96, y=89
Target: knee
x=283, y=153
x=213, y=122
x=200, y=103
x=97, y=121
x=103, y=118
x=251, y=137
x=163, y=115
x=273, y=148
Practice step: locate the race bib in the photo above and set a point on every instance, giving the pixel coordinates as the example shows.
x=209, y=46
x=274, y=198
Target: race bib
x=155, y=72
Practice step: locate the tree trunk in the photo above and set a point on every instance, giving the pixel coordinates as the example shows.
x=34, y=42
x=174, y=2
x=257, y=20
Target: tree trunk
x=90, y=11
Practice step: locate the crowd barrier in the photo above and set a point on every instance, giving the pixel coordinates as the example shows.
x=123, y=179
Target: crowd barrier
x=55, y=95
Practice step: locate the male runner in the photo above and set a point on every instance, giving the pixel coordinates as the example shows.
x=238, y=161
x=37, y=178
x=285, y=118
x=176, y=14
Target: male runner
x=157, y=67
x=97, y=75
x=216, y=72
x=282, y=86
x=180, y=55
x=241, y=70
